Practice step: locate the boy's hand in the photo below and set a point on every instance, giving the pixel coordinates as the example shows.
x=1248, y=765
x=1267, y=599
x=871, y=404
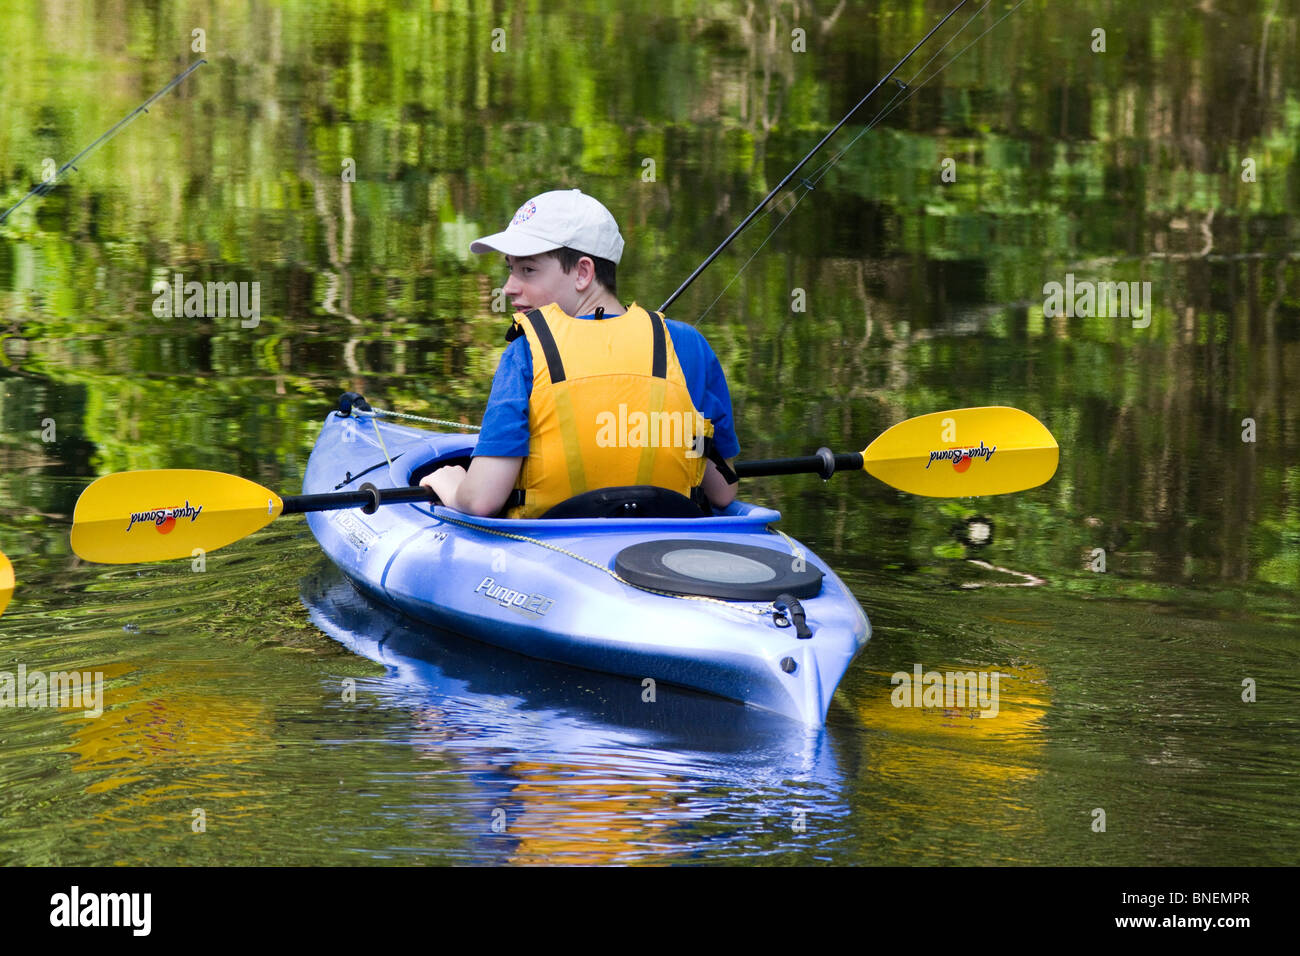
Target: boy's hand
x=491, y=480
x=445, y=482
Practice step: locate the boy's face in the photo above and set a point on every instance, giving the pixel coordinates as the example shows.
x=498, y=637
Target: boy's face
x=536, y=281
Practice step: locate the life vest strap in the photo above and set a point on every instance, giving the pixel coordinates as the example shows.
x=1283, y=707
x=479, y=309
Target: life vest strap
x=659, y=358
x=549, y=349
x=659, y=347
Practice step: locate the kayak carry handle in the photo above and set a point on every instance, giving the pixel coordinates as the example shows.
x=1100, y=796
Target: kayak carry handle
x=351, y=400
x=789, y=608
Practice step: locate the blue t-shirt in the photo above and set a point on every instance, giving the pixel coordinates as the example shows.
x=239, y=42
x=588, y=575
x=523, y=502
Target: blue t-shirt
x=505, y=421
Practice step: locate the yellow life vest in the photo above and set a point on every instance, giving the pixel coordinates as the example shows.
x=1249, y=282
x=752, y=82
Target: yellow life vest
x=609, y=408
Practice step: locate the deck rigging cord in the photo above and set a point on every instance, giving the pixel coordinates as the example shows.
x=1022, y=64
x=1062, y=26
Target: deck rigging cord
x=374, y=415
x=416, y=418
x=904, y=92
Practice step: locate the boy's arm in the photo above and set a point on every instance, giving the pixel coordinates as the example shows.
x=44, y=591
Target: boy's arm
x=719, y=493
x=505, y=420
x=490, y=481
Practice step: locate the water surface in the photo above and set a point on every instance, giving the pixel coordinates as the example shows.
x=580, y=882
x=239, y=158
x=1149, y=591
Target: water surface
x=1170, y=158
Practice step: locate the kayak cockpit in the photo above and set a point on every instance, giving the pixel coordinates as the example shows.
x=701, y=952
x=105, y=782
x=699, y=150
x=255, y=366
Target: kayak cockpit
x=636, y=503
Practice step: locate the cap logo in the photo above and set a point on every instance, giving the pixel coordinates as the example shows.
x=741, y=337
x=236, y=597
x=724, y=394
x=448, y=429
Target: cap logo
x=525, y=212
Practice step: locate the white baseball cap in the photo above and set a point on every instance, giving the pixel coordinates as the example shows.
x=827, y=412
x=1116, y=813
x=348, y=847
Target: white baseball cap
x=563, y=217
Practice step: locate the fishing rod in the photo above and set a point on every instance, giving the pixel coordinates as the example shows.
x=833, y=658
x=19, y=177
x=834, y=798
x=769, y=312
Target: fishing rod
x=800, y=165
x=906, y=90
x=42, y=188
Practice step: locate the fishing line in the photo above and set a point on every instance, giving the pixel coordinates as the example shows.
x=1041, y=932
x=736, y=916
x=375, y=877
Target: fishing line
x=914, y=86
x=903, y=94
x=809, y=155
x=798, y=197
x=40, y=189
x=821, y=171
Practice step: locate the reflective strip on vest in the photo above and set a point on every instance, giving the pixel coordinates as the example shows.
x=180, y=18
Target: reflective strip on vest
x=645, y=470
x=572, y=443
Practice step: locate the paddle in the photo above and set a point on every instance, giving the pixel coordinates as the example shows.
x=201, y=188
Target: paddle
x=136, y=516
x=6, y=581
x=965, y=452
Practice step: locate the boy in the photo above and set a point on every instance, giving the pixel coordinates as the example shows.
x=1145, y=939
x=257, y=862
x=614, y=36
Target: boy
x=577, y=363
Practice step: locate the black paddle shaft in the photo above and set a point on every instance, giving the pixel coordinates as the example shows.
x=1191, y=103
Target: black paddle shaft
x=824, y=463
x=368, y=497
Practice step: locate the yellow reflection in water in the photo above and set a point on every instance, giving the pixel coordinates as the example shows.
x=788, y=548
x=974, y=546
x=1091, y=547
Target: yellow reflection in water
x=953, y=765
x=172, y=734
x=574, y=816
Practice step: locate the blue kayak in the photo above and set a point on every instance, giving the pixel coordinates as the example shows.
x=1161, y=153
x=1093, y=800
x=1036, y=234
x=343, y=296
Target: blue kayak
x=723, y=604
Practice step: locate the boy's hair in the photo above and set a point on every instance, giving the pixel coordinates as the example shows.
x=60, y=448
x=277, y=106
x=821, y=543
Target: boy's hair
x=605, y=270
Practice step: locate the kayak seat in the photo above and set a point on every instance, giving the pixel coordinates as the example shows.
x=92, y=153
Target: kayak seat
x=627, y=501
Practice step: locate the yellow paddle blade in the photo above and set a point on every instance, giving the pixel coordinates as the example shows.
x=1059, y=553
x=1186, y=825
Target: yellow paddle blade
x=136, y=516
x=6, y=581
x=964, y=452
